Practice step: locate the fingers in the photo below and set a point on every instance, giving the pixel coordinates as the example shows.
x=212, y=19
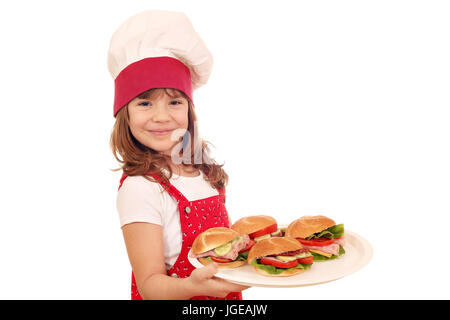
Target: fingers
x=203, y=280
x=237, y=287
x=232, y=287
x=208, y=271
x=242, y=287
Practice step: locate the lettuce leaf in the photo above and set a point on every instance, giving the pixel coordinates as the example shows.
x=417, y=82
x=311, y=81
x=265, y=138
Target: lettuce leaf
x=275, y=270
x=243, y=255
x=330, y=233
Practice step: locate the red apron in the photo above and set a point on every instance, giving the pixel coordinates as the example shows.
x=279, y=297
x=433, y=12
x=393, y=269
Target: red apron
x=195, y=217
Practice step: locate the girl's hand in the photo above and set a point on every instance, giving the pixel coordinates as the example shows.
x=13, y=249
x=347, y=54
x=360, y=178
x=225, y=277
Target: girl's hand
x=203, y=283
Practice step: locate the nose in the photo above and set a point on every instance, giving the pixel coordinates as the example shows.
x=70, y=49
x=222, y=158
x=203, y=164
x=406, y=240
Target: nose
x=161, y=113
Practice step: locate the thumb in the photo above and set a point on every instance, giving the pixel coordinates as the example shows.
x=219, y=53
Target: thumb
x=209, y=271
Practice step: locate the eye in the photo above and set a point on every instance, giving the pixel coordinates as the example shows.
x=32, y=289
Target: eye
x=144, y=103
x=175, y=102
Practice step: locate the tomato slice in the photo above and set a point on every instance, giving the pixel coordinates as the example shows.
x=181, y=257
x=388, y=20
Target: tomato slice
x=307, y=260
x=248, y=247
x=320, y=242
x=220, y=260
x=279, y=264
x=264, y=231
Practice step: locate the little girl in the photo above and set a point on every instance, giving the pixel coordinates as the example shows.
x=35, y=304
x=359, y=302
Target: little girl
x=171, y=190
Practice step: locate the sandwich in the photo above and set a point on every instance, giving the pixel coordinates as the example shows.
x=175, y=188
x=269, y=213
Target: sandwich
x=258, y=227
x=279, y=257
x=321, y=235
x=221, y=245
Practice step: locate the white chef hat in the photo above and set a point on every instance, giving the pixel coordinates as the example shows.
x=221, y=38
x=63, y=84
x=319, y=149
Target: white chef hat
x=157, y=49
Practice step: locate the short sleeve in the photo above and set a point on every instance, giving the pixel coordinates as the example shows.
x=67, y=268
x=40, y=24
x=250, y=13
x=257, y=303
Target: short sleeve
x=139, y=200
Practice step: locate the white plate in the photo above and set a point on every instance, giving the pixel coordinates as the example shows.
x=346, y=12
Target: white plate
x=358, y=253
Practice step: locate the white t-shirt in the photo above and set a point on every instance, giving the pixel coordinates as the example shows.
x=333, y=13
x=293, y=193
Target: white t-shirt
x=140, y=200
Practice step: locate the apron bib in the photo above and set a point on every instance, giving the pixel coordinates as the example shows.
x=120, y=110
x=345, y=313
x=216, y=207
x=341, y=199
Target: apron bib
x=195, y=217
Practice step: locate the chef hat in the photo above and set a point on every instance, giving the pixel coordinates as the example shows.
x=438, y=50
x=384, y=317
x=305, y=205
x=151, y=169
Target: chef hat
x=157, y=49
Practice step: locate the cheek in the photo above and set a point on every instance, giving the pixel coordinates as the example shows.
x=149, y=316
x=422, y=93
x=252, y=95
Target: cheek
x=181, y=119
x=137, y=124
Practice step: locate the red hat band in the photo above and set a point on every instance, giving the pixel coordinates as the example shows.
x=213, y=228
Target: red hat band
x=149, y=73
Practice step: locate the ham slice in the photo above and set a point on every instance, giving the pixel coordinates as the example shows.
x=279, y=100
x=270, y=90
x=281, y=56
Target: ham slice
x=340, y=241
x=232, y=254
x=332, y=248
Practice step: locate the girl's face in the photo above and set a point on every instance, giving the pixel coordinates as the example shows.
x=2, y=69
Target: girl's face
x=154, y=119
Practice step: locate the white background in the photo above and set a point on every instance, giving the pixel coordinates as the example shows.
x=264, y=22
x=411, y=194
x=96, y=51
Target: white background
x=338, y=108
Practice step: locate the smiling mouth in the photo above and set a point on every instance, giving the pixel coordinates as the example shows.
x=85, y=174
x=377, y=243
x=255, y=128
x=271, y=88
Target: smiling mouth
x=161, y=133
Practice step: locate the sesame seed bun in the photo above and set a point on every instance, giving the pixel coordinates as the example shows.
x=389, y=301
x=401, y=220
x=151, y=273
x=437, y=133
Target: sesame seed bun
x=252, y=224
x=308, y=225
x=271, y=246
x=213, y=238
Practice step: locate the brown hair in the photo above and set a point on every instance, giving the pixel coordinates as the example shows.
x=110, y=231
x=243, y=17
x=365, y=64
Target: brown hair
x=138, y=159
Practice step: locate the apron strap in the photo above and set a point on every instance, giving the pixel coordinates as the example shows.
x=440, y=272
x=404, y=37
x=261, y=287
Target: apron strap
x=122, y=179
x=174, y=192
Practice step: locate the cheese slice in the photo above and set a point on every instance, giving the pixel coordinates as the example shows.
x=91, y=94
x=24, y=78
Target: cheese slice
x=266, y=236
x=328, y=255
